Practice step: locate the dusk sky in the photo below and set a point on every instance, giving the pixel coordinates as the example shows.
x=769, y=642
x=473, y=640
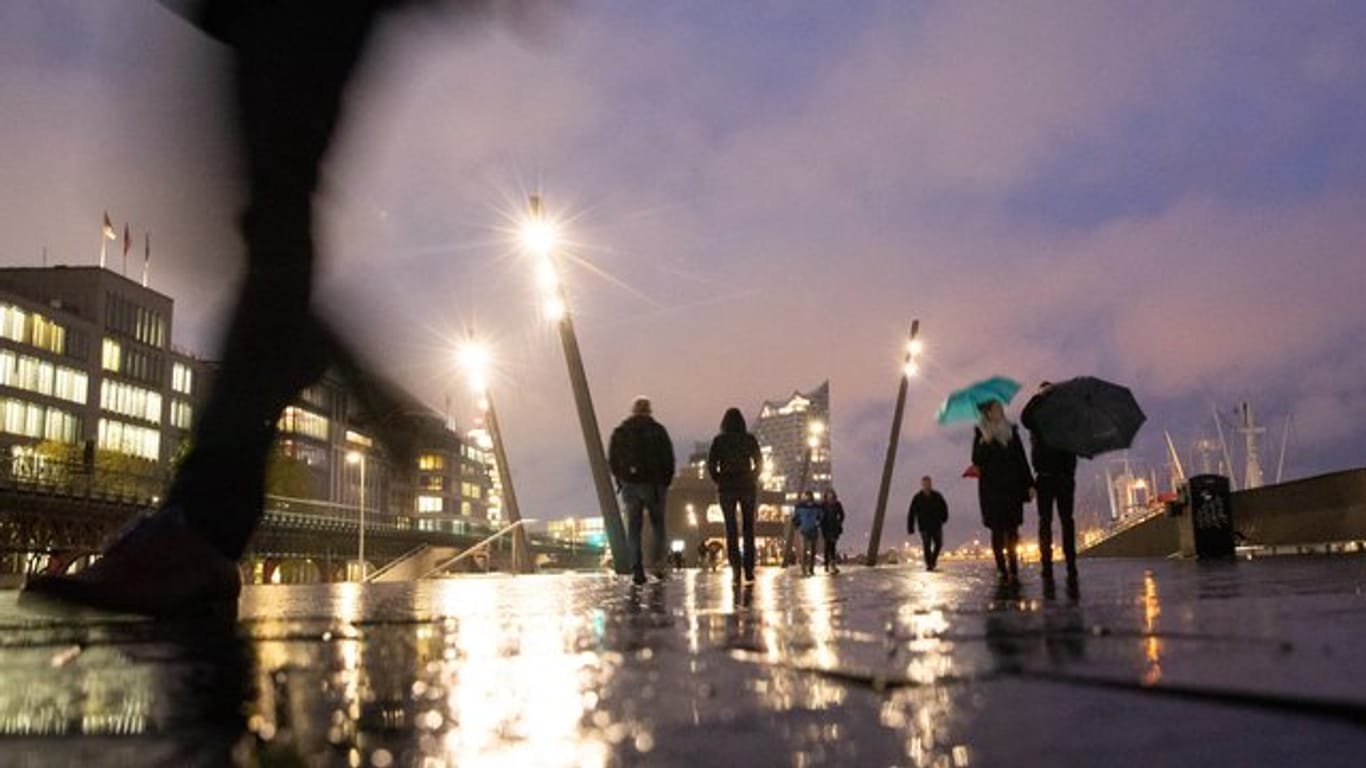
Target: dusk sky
x=761, y=195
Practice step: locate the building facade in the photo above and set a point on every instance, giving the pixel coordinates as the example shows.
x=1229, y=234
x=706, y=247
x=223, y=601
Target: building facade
x=89, y=382
x=795, y=436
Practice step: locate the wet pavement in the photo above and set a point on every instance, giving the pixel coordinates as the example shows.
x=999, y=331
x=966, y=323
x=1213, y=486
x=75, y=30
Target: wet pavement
x=1177, y=663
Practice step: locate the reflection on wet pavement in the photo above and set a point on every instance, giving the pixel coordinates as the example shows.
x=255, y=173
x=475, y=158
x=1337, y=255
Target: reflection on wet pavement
x=891, y=667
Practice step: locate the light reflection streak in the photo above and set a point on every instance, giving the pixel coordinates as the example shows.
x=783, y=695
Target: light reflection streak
x=1152, y=644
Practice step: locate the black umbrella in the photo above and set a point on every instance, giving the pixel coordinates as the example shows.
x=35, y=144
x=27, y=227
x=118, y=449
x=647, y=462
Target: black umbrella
x=1086, y=416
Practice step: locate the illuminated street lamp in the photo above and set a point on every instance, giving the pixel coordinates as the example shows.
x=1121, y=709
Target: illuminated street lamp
x=476, y=362
x=540, y=239
x=356, y=457
x=910, y=367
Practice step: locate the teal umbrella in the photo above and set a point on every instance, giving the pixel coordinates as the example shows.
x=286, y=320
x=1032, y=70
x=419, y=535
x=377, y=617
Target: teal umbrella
x=963, y=404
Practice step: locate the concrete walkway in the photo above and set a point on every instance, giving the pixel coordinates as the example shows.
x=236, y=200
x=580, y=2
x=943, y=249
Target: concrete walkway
x=1154, y=663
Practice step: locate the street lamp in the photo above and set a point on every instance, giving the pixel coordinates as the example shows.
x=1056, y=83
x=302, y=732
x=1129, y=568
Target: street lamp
x=476, y=361
x=356, y=457
x=540, y=238
x=910, y=367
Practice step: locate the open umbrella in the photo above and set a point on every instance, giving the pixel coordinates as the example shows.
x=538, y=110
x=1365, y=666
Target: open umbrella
x=963, y=404
x=1086, y=416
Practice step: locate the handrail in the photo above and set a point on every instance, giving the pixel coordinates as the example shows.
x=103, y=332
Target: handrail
x=476, y=547
x=390, y=565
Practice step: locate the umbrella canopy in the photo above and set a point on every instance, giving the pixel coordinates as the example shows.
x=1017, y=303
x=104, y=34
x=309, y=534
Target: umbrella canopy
x=963, y=405
x=1086, y=416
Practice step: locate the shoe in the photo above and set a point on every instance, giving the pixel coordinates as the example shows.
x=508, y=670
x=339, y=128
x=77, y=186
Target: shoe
x=835, y=569
x=749, y=578
x=638, y=577
x=160, y=568
x=660, y=574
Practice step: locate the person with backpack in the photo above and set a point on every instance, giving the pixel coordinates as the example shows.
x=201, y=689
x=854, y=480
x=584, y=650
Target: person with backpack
x=929, y=511
x=641, y=455
x=832, y=526
x=807, y=518
x=734, y=463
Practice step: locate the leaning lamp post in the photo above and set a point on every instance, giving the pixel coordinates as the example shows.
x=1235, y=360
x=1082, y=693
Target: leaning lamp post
x=475, y=360
x=910, y=368
x=540, y=239
x=356, y=457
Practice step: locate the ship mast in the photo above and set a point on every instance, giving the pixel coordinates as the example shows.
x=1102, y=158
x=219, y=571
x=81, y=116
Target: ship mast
x=1252, y=470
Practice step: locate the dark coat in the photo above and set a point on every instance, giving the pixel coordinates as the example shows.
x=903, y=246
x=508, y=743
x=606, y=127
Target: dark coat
x=735, y=461
x=1047, y=459
x=928, y=510
x=1005, y=481
x=832, y=521
x=640, y=451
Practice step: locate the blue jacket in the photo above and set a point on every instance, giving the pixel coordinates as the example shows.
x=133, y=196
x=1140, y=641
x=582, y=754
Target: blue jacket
x=807, y=517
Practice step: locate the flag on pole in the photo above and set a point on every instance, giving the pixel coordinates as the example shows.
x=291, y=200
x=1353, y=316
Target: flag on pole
x=127, y=243
x=109, y=234
x=146, y=257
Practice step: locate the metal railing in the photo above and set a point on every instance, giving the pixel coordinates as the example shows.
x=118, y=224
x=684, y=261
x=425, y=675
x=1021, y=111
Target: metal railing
x=479, y=547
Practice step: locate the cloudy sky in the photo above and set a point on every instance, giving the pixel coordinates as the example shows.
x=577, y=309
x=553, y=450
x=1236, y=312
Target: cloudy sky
x=761, y=195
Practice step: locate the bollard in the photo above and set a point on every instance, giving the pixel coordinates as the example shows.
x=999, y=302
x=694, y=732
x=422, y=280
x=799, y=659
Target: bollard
x=1210, y=522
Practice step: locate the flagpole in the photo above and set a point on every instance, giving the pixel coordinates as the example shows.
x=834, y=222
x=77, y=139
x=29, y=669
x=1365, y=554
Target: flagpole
x=146, y=257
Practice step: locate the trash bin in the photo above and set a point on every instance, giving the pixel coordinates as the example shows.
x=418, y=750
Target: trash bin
x=1211, y=516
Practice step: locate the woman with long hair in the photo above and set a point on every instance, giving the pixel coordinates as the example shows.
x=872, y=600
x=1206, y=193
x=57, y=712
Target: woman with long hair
x=1004, y=485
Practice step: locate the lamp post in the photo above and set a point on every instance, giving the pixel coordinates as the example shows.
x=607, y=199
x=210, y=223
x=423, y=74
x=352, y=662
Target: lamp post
x=910, y=368
x=474, y=358
x=539, y=237
x=356, y=457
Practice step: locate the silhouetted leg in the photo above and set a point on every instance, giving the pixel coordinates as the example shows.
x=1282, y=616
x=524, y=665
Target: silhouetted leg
x=293, y=61
x=1047, y=495
x=998, y=549
x=1012, y=543
x=1067, y=490
x=730, y=504
x=633, y=499
x=748, y=508
x=659, y=544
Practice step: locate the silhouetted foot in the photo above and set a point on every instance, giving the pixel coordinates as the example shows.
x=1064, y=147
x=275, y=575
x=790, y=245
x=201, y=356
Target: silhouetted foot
x=749, y=577
x=160, y=568
x=1050, y=590
x=638, y=577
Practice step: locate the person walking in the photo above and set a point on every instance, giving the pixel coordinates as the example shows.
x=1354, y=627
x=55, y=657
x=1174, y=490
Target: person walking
x=832, y=527
x=807, y=518
x=641, y=455
x=734, y=463
x=929, y=512
x=1055, y=479
x=1004, y=484
x=292, y=62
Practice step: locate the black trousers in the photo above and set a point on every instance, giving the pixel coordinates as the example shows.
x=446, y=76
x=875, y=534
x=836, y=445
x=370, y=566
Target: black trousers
x=932, y=539
x=832, y=554
x=292, y=63
x=744, y=502
x=1005, y=545
x=1057, y=491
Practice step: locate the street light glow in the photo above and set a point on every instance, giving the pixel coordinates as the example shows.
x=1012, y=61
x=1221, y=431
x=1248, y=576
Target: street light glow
x=539, y=236
x=475, y=358
x=912, y=369
x=353, y=457
x=554, y=308
x=914, y=347
x=546, y=276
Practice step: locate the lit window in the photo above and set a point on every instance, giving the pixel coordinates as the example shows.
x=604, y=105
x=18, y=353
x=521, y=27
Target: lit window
x=129, y=439
x=301, y=422
x=431, y=462
x=359, y=439
x=110, y=356
x=182, y=378
x=430, y=504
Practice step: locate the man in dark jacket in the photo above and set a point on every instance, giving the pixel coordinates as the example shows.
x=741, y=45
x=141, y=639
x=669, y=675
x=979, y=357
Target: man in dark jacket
x=642, y=458
x=1055, y=482
x=734, y=463
x=929, y=511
